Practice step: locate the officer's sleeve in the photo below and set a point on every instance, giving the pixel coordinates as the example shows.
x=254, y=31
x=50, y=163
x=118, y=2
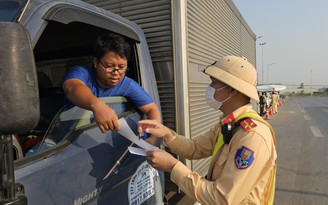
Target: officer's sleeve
x=236, y=181
x=197, y=148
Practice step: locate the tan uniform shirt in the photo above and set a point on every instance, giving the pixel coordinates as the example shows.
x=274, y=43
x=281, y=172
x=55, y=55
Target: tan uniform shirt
x=227, y=184
x=275, y=98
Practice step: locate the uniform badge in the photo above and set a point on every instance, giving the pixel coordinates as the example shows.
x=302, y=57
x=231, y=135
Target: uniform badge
x=244, y=157
x=247, y=124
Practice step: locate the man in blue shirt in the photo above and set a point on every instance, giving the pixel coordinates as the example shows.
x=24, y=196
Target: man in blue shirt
x=84, y=85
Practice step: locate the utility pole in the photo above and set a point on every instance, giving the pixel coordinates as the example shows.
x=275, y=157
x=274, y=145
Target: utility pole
x=268, y=71
x=310, y=78
x=262, y=44
x=257, y=62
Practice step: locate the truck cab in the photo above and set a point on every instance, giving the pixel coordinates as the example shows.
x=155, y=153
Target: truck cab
x=63, y=157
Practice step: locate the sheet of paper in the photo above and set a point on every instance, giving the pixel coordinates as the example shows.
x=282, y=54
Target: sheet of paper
x=126, y=131
x=137, y=151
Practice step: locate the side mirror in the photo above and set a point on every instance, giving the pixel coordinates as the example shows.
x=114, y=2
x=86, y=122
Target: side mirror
x=19, y=106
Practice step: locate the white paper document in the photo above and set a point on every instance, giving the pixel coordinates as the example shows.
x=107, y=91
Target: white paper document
x=126, y=131
x=137, y=151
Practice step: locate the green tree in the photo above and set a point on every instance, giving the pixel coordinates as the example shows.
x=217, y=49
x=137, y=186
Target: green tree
x=326, y=90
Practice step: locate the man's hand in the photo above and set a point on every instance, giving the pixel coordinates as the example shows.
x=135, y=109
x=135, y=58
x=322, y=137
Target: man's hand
x=105, y=117
x=161, y=160
x=80, y=95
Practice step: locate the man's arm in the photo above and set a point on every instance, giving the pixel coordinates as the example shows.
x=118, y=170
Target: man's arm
x=152, y=113
x=80, y=95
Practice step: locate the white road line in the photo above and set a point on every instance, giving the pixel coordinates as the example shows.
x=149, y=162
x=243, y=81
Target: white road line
x=306, y=117
x=298, y=105
x=316, y=132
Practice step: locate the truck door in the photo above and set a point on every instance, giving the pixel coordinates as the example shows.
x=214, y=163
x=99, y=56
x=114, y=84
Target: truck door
x=66, y=157
x=69, y=164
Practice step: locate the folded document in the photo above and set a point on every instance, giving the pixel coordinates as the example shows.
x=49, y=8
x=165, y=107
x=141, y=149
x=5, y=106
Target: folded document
x=126, y=131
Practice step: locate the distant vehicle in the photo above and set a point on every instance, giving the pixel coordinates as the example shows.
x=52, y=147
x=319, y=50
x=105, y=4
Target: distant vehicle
x=268, y=89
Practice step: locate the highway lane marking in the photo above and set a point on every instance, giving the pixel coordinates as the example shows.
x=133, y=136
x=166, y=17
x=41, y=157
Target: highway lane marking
x=306, y=117
x=316, y=132
x=299, y=106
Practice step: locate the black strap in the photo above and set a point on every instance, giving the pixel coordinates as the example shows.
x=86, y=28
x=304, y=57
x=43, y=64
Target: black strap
x=227, y=130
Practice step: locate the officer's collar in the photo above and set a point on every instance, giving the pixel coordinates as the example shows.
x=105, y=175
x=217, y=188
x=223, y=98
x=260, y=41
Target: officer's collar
x=236, y=113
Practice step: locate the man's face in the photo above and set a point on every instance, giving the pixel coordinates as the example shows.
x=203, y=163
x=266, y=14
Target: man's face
x=110, y=69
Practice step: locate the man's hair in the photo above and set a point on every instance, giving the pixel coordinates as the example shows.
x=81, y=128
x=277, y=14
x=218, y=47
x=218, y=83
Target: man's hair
x=112, y=42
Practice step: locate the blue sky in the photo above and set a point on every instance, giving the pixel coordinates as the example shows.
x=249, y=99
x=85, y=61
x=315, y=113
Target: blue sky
x=296, y=36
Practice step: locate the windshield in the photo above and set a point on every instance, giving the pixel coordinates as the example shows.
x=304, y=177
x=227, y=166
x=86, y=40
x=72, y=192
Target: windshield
x=70, y=121
x=10, y=10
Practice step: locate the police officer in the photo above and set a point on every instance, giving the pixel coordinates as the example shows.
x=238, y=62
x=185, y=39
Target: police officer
x=275, y=101
x=241, y=146
x=263, y=102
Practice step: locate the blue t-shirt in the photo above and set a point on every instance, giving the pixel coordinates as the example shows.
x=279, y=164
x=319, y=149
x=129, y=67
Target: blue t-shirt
x=127, y=87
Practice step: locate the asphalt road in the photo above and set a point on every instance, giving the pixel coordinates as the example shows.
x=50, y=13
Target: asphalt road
x=301, y=127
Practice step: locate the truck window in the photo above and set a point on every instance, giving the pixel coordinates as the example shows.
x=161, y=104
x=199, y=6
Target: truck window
x=68, y=122
x=11, y=9
x=59, y=48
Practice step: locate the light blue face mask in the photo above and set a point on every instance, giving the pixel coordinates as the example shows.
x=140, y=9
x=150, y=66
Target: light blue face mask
x=210, y=100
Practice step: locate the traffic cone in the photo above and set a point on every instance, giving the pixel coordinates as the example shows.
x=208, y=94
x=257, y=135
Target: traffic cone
x=267, y=115
x=270, y=111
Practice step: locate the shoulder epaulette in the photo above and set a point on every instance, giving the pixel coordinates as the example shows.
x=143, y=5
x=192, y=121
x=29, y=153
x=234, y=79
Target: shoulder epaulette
x=247, y=124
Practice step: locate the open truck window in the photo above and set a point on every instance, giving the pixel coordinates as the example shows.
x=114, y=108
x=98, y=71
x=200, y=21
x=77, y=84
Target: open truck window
x=68, y=122
x=60, y=47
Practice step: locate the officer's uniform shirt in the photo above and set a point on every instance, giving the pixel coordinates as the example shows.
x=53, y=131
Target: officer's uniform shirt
x=275, y=100
x=230, y=180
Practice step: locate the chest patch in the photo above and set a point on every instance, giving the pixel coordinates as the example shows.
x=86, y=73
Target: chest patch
x=244, y=157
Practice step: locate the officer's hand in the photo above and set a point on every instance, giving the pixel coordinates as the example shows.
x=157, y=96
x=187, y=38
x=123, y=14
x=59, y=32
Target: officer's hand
x=161, y=160
x=151, y=140
x=155, y=128
x=105, y=117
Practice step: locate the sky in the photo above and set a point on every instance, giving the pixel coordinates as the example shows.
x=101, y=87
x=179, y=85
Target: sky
x=295, y=33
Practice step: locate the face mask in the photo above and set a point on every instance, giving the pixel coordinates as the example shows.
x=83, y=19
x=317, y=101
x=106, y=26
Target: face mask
x=211, y=100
